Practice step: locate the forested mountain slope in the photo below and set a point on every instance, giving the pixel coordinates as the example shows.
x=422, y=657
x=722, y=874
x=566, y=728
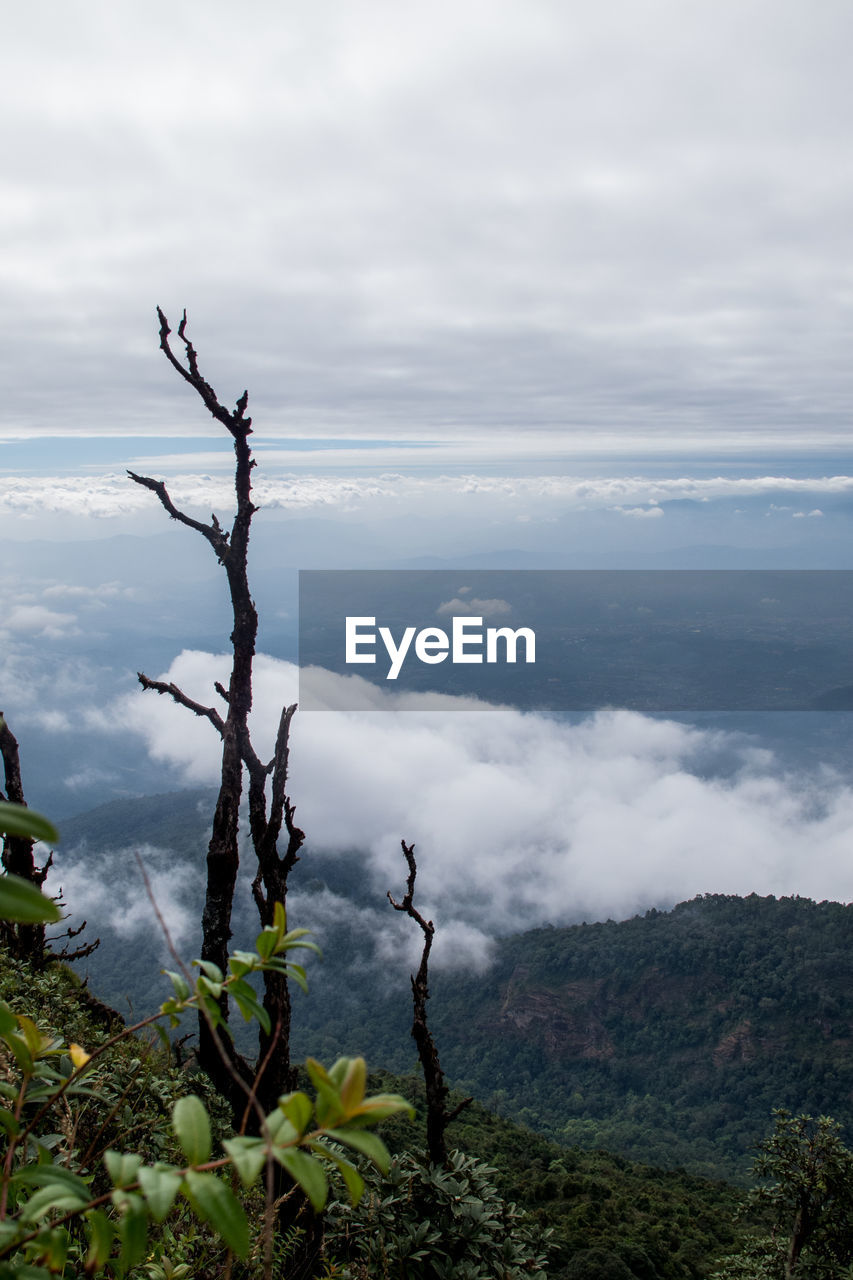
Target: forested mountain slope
x=668, y=1037
x=609, y=1217
x=672, y=1034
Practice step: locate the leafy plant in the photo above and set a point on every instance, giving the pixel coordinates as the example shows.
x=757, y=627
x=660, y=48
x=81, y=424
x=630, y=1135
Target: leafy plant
x=428, y=1222
x=20, y=900
x=52, y=1207
x=806, y=1186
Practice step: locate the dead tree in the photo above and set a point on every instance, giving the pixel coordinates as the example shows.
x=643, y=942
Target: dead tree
x=232, y=725
x=28, y=940
x=24, y=940
x=438, y=1116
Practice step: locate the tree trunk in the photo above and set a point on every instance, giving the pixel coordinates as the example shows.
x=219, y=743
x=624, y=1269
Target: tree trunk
x=27, y=941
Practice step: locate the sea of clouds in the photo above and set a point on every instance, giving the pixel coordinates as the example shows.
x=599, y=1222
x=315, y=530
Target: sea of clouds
x=519, y=819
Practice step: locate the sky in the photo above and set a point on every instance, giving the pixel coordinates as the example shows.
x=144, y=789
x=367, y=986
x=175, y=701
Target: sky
x=622, y=226
x=524, y=284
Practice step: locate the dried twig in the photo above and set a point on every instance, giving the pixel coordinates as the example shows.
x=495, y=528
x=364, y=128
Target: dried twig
x=438, y=1117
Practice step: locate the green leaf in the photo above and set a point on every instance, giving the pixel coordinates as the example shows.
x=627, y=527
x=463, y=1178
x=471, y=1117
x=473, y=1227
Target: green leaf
x=215, y=1202
x=179, y=982
x=249, y=1006
x=238, y=988
x=318, y=1073
x=379, y=1107
x=163, y=1038
x=354, y=1084
x=297, y=973
x=294, y=934
x=18, y=820
x=8, y=1021
x=212, y=1009
x=330, y=1109
x=122, y=1167
x=290, y=942
x=210, y=970
x=367, y=1143
x=192, y=1128
x=307, y=1171
x=9, y=1230
x=280, y=1129
x=55, y=1196
x=298, y=1109
x=55, y=1249
x=160, y=1184
x=47, y=1175
x=351, y=1176
x=36, y=1041
x=101, y=1233
x=171, y=1010
x=242, y=962
x=204, y=985
x=23, y=902
x=23, y=1057
x=265, y=943
x=9, y=1123
x=133, y=1231
x=248, y=1156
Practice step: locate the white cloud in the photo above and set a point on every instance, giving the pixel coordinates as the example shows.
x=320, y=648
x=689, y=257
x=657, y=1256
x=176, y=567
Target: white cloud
x=87, y=777
x=52, y=721
x=92, y=889
x=114, y=496
x=520, y=819
x=641, y=512
x=38, y=619
x=75, y=591
x=489, y=216
x=474, y=607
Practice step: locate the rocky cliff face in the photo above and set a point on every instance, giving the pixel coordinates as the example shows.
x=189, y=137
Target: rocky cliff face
x=565, y=1022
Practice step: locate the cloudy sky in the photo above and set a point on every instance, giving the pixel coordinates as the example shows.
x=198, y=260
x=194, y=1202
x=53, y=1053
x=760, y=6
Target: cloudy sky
x=508, y=282
x=624, y=225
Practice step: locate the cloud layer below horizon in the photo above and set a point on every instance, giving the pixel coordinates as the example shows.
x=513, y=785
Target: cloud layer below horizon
x=520, y=819
x=110, y=496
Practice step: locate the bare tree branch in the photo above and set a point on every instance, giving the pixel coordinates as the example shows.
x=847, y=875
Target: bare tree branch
x=208, y=713
x=11, y=764
x=233, y=728
x=438, y=1117
x=238, y=752
x=214, y=533
x=236, y=422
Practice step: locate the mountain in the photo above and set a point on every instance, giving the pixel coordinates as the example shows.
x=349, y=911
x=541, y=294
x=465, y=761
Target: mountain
x=668, y=1037
x=609, y=1217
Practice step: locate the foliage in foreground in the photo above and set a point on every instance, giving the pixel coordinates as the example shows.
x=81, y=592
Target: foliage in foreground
x=425, y=1222
x=60, y=1203
x=602, y=1209
x=806, y=1189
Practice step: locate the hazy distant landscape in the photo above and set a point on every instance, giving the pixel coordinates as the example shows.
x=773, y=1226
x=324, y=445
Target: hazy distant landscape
x=548, y=309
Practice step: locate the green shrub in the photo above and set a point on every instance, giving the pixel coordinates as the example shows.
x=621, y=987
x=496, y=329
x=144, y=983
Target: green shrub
x=424, y=1222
